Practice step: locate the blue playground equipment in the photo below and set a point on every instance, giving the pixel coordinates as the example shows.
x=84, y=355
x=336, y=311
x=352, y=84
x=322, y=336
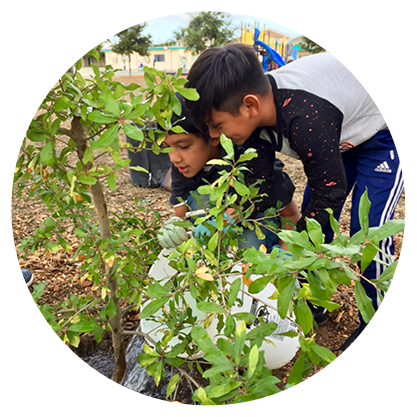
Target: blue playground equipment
x=271, y=53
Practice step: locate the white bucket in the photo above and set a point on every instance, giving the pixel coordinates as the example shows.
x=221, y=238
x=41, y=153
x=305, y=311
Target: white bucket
x=278, y=352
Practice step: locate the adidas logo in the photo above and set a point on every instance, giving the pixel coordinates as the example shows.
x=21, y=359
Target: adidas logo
x=384, y=167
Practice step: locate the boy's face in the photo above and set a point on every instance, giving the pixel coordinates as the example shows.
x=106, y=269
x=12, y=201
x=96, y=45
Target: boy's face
x=190, y=153
x=237, y=128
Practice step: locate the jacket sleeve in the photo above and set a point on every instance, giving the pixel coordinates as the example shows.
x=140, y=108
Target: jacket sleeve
x=314, y=133
x=178, y=186
x=260, y=168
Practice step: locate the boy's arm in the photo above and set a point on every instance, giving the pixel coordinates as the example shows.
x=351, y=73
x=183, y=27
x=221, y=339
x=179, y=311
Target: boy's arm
x=261, y=168
x=290, y=212
x=180, y=210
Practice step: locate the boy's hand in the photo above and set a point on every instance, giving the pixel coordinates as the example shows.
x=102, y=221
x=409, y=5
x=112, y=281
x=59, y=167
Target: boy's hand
x=171, y=236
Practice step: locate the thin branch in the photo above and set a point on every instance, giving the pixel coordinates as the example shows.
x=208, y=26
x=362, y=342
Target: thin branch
x=78, y=312
x=141, y=334
x=189, y=377
x=67, y=132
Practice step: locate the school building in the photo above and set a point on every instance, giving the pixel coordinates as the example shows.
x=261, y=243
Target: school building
x=163, y=58
x=170, y=58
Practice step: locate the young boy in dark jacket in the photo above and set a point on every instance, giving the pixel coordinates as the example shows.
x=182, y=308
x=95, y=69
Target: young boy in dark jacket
x=189, y=156
x=321, y=115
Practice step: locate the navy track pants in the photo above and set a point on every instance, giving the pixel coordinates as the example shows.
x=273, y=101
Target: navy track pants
x=375, y=166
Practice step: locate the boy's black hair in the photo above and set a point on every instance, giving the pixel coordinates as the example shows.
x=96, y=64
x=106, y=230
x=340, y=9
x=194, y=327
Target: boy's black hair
x=223, y=76
x=187, y=124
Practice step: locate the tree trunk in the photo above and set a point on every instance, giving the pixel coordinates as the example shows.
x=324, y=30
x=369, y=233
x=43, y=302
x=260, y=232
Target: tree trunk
x=116, y=323
x=130, y=66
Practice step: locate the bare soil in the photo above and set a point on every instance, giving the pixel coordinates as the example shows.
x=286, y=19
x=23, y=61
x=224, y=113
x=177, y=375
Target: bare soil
x=62, y=276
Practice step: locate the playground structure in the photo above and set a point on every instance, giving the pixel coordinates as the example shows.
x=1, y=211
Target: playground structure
x=271, y=47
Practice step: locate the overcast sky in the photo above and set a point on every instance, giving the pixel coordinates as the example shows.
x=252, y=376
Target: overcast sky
x=162, y=28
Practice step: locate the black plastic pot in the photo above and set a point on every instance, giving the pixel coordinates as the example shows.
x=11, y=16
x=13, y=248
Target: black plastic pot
x=156, y=165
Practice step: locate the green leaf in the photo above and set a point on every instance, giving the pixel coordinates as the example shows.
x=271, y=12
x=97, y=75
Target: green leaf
x=175, y=362
x=111, y=308
x=240, y=188
x=334, y=224
x=258, y=285
x=46, y=154
x=82, y=327
x=217, y=162
x=188, y=93
x=62, y=103
x=38, y=290
x=111, y=181
x=388, y=273
x=247, y=157
x=201, y=396
x=98, y=332
x=157, y=370
x=210, y=308
x=95, y=53
x=214, y=240
x=364, y=303
x=303, y=315
x=339, y=249
x=88, y=156
x=327, y=281
x=220, y=390
x=139, y=111
x=203, y=340
x=259, y=234
x=364, y=207
x=64, y=244
x=133, y=132
x=248, y=317
x=226, y=347
x=325, y=354
x=87, y=180
x=296, y=238
x=230, y=326
x=240, y=339
x=49, y=224
x=234, y=291
x=388, y=229
x=153, y=307
x=227, y=145
x=139, y=169
x=157, y=290
x=263, y=384
x=172, y=384
x=107, y=138
x=348, y=272
x=253, y=360
x=299, y=370
x=110, y=102
x=52, y=247
x=285, y=288
x=315, y=232
x=101, y=118
x=145, y=360
x=368, y=255
x=149, y=351
x=329, y=305
x=36, y=136
x=316, y=287
x=210, y=257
